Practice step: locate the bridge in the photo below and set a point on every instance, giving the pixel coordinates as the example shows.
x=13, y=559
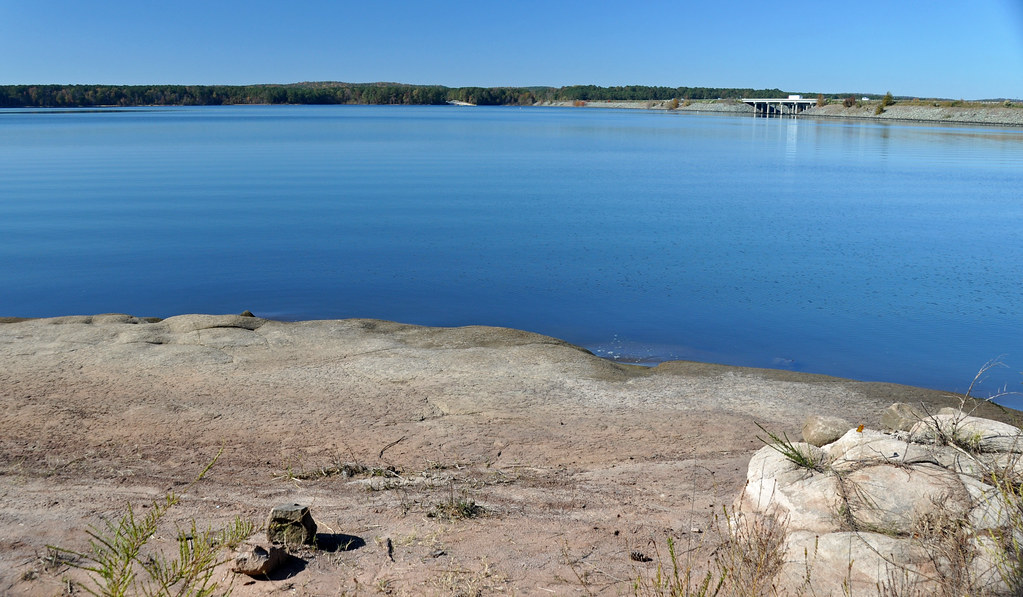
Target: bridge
x=793, y=104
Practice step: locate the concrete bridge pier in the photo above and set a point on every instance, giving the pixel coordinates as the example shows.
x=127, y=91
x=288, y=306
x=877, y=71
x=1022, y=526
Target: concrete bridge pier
x=794, y=104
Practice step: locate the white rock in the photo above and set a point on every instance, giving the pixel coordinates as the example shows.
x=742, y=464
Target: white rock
x=990, y=508
x=819, y=430
x=959, y=461
x=901, y=416
x=853, y=451
x=988, y=567
x=846, y=563
x=804, y=499
x=896, y=496
x=983, y=435
x=893, y=499
x=851, y=439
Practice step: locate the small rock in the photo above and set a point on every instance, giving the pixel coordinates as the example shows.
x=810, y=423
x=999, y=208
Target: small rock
x=256, y=560
x=819, y=430
x=901, y=416
x=291, y=524
x=247, y=313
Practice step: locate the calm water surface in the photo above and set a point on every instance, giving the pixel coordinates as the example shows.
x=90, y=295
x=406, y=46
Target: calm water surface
x=873, y=251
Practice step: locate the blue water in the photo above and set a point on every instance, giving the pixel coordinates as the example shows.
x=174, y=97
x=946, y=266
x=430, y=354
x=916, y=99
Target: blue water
x=888, y=252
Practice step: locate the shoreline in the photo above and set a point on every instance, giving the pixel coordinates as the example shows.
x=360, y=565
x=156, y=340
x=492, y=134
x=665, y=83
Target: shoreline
x=984, y=114
x=562, y=454
x=974, y=114
x=643, y=365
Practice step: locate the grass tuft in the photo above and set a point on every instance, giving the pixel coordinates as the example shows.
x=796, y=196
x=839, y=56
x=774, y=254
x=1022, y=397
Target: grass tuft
x=745, y=562
x=795, y=454
x=456, y=509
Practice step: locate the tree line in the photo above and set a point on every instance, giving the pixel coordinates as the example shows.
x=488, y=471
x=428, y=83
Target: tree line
x=644, y=92
x=83, y=96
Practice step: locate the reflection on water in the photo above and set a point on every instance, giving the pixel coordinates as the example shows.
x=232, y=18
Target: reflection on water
x=865, y=250
x=791, y=137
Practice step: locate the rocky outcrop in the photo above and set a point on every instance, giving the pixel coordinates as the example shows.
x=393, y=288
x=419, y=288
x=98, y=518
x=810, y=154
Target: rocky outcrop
x=935, y=507
x=99, y=411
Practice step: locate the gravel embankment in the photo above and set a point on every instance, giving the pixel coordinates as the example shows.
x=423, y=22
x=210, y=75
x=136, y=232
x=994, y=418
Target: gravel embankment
x=616, y=104
x=970, y=113
x=965, y=114
x=697, y=106
x=733, y=106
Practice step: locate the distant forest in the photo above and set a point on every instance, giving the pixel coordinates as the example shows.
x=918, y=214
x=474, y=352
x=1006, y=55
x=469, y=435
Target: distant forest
x=82, y=96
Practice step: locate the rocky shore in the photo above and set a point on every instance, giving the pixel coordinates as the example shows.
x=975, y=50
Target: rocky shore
x=930, y=505
x=434, y=461
x=966, y=113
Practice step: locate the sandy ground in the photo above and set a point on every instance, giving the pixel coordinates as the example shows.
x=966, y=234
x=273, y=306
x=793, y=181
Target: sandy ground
x=576, y=461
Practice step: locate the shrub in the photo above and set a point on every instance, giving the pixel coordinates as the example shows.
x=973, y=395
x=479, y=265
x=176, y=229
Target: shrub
x=888, y=100
x=821, y=102
x=849, y=102
x=120, y=564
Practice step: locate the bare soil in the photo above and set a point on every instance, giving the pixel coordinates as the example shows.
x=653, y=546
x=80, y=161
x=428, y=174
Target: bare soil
x=582, y=468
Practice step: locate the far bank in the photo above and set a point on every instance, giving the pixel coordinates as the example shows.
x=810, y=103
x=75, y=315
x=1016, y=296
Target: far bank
x=954, y=112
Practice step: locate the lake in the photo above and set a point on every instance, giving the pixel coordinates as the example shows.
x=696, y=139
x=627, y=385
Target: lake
x=875, y=251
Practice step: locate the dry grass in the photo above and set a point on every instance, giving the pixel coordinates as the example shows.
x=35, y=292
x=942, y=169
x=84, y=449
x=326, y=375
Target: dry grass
x=456, y=509
x=748, y=555
x=470, y=581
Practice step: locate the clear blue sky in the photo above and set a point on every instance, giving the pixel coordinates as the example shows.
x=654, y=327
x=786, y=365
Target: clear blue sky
x=937, y=48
